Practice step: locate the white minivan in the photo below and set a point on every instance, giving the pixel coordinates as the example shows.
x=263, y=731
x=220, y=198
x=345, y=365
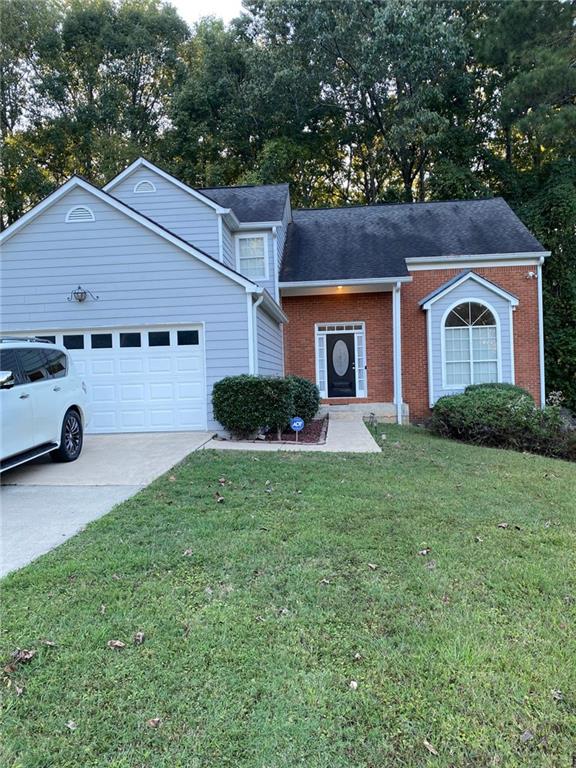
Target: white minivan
x=42, y=402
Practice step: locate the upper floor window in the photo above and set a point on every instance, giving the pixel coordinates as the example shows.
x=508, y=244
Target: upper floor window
x=252, y=256
x=144, y=186
x=470, y=345
x=80, y=213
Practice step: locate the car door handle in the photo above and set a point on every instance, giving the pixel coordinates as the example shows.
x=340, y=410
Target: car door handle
x=24, y=396
x=56, y=389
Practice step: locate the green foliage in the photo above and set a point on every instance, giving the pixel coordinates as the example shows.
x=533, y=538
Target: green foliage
x=244, y=404
x=500, y=417
x=306, y=397
x=500, y=386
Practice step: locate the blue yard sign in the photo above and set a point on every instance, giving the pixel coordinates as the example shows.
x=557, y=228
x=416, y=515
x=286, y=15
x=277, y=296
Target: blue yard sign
x=297, y=424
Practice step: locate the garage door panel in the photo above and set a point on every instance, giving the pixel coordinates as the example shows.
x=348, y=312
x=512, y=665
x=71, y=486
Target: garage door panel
x=143, y=389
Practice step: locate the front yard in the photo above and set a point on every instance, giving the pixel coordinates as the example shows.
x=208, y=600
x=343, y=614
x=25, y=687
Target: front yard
x=329, y=611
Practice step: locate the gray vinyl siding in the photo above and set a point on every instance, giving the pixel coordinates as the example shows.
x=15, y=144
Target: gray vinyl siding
x=269, y=345
x=469, y=291
x=141, y=280
x=229, y=255
x=172, y=208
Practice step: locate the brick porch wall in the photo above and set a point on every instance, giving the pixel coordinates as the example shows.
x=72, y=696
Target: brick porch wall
x=374, y=309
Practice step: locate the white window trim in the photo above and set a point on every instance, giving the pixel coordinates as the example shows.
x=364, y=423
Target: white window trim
x=359, y=338
x=147, y=191
x=79, y=221
x=489, y=307
x=247, y=236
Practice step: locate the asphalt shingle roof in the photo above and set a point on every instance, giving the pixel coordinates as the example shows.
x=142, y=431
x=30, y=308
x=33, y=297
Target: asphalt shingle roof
x=374, y=241
x=252, y=203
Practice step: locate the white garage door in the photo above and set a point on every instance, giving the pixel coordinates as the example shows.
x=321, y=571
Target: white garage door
x=141, y=379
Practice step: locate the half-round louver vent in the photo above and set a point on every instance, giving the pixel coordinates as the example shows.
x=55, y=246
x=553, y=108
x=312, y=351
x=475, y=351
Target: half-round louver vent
x=80, y=213
x=144, y=186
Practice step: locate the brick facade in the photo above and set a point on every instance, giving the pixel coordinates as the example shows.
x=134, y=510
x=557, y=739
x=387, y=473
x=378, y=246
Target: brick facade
x=375, y=309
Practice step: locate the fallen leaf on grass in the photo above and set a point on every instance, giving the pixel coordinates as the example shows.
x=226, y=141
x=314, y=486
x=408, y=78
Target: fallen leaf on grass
x=429, y=747
x=102, y=609
x=172, y=478
x=425, y=551
x=219, y=498
x=372, y=566
x=139, y=638
x=71, y=725
x=23, y=656
x=526, y=736
x=324, y=581
x=18, y=689
x=502, y=525
x=353, y=685
x=154, y=722
x=222, y=481
x=479, y=539
x=557, y=694
x=188, y=553
x=49, y=643
x=116, y=644
x=357, y=657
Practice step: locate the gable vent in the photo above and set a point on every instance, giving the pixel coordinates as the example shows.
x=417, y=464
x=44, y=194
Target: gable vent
x=144, y=186
x=80, y=213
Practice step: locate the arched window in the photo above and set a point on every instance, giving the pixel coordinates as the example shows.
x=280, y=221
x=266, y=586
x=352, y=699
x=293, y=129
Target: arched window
x=144, y=186
x=470, y=345
x=80, y=213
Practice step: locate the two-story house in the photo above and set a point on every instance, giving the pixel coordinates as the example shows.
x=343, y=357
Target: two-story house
x=159, y=290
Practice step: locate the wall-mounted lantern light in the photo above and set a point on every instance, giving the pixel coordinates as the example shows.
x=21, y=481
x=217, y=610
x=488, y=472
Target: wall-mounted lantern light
x=81, y=294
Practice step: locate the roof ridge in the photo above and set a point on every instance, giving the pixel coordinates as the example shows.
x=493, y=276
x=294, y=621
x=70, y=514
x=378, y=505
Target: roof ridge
x=244, y=186
x=391, y=205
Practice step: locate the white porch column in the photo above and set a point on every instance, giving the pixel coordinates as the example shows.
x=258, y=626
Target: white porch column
x=397, y=350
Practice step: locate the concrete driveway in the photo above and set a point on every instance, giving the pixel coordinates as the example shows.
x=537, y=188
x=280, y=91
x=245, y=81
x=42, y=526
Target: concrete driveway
x=43, y=503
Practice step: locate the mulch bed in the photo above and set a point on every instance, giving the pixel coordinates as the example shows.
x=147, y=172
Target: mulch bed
x=313, y=432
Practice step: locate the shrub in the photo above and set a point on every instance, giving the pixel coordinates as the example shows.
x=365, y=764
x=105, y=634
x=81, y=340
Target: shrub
x=245, y=404
x=306, y=397
x=500, y=417
x=499, y=385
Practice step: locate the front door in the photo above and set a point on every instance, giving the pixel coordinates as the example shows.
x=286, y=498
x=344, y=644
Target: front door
x=341, y=365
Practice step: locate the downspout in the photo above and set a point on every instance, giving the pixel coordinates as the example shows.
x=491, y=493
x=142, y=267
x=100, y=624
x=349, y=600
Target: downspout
x=275, y=260
x=541, y=335
x=397, y=351
x=255, y=306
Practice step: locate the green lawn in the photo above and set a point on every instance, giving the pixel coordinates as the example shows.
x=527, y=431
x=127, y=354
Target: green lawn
x=252, y=637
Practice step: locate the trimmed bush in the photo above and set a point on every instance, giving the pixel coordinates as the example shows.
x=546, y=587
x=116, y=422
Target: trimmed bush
x=502, y=418
x=246, y=404
x=306, y=397
x=499, y=385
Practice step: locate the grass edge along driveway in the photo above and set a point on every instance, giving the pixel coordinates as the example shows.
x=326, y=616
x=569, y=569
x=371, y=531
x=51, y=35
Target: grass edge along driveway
x=309, y=610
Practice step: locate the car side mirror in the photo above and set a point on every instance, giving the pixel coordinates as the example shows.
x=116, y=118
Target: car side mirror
x=7, y=380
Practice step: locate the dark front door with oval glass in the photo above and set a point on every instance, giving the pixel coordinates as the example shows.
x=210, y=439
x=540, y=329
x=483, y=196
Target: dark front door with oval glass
x=341, y=365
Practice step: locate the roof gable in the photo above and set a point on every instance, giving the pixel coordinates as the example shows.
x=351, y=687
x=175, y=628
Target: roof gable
x=77, y=182
x=261, y=204
x=464, y=277
x=141, y=162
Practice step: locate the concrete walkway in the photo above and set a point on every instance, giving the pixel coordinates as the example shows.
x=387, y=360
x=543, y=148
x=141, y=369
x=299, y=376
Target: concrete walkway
x=347, y=433
x=43, y=503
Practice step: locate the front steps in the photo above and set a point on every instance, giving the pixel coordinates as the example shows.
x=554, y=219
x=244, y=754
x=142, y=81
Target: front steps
x=382, y=412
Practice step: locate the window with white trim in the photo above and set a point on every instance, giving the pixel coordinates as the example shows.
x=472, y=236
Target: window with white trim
x=470, y=346
x=144, y=186
x=252, y=256
x=80, y=213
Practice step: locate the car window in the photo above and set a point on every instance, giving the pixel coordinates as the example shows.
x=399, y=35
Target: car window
x=34, y=364
x=56, y=363
x=9, y=362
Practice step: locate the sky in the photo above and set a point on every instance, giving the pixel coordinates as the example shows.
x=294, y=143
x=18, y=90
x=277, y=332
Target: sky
x=192, y=10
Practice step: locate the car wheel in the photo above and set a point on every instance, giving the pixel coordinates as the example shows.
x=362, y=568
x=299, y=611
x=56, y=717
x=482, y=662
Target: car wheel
x=71, y=438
